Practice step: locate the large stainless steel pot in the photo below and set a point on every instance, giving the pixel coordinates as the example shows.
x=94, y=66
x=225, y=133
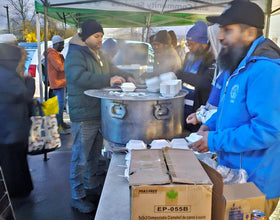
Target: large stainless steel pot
x=146, y=116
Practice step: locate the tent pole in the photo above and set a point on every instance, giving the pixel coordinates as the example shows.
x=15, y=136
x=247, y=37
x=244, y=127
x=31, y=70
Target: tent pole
x=46, y=48
x=143, y=33
x=46, y=61
x=148, y=24
x=39, y=55
x=268, y=15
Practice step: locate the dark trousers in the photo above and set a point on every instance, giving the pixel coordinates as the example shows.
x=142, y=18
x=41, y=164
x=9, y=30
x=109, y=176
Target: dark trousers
x=13, y=160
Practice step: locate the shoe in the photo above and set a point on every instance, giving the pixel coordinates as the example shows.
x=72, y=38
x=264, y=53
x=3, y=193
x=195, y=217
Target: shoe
x=95, y=191
x=63, y=131
x=93, y=195
x=65, y=126
x=83, y=205
x=94, y=199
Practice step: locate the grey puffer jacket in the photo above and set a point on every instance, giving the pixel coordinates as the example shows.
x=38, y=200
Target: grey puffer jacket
x=15, y=97
x=84, y=72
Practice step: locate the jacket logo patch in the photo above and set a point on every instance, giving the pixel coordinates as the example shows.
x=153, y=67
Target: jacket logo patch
x=233, y=93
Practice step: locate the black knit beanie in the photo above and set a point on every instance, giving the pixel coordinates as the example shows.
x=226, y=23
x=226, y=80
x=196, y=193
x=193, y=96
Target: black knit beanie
x=162, y=37
x=90, y=27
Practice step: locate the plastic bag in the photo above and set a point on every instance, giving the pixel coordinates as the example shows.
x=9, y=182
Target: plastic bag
x=233, y=176
x=230, y=176
x=50, y=107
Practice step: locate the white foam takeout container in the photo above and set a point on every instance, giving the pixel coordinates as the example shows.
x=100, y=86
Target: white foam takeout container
x=128, y=87
x=135, y=145
x=153, y=84
x=160, y=143
x=193, y=137
x=179, y=143
x=170, y=88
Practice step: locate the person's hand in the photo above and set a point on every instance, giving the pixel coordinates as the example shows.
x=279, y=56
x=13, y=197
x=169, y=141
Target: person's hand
x=131, y=79
x=191, y=119
x=201, y=145
x=202, y=129
x=117, y=80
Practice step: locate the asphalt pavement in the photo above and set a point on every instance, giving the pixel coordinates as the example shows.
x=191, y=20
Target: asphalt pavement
x=51, y=197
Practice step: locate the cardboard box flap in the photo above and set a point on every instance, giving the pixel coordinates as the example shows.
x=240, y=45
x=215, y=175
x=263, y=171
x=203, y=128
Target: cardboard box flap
x=241, y=191
x=218, y=204
x=147, y=167
x=184, y=167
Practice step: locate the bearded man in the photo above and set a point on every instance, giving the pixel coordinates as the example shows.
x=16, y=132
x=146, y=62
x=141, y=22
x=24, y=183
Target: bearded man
x=245, y=130
x=198, y=69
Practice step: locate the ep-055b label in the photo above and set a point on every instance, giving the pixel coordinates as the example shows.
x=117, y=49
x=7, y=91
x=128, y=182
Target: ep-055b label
x=171, y=209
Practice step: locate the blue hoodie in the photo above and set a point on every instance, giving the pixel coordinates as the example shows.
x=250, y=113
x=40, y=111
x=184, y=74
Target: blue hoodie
x=245, y=130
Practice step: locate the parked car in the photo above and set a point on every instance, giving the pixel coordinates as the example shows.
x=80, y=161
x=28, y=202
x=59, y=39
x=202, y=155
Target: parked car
x=135, y=57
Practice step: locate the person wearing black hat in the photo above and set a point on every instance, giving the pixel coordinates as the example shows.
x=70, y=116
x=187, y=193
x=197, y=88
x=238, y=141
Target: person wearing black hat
x=197, y=71
x=166, y=58
x=245, y=130
x=87, y=68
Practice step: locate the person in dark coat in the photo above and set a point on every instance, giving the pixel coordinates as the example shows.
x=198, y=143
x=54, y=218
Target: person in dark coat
x=86, y=68
x=16, y=93
x=166, y=57
x=198, y=69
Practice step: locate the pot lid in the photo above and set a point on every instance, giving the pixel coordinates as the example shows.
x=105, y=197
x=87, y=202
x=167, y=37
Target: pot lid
x=137, y=95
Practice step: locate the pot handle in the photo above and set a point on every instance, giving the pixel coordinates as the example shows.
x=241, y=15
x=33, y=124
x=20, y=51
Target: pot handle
x=161, y=111
x=117, y=110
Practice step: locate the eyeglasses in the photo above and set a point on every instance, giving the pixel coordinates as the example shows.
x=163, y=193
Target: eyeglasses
x=191, y=44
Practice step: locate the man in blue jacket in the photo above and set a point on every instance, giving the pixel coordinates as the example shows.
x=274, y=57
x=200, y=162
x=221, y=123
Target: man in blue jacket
x=245, y=130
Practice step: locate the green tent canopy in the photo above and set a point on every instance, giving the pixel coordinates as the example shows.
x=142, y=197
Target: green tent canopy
x=140, y=13
x=118, y=19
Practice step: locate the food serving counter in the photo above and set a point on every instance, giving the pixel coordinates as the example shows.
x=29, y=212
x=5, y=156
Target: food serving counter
x=114, y=202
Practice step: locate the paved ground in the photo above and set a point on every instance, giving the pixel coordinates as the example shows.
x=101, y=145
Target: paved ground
x=51, y=197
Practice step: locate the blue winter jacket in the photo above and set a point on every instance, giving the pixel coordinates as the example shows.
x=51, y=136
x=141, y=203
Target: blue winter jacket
x=245, y=130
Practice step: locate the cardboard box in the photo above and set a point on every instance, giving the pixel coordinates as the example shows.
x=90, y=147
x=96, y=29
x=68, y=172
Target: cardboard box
x=235, y=201
x=169, y=184
x=241, y=200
